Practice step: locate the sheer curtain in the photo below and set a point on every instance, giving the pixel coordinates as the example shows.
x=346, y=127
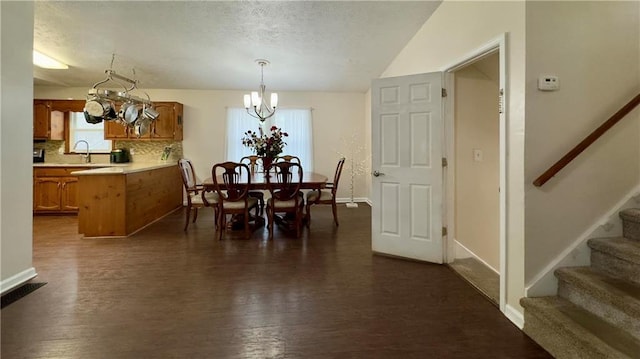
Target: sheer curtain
x=295, y=122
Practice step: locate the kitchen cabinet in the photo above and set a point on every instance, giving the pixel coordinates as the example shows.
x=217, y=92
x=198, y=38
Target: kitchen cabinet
x=41, y=119
x=55, y=190
x=168, y=125
x=49, y=117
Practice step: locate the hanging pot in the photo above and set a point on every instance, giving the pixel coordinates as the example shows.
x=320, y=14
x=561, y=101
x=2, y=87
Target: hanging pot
x=141, y=127
x=92, y=119
x=128, y=113
x=98, y=107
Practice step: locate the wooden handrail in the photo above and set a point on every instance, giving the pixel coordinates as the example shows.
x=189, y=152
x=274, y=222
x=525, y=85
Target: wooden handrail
x=566, y=159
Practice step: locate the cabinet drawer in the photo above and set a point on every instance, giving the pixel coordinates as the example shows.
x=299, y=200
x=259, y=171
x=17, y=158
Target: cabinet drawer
x=57, y=171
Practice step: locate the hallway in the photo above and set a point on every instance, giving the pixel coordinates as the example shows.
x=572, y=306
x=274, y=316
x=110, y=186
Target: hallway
x=165, y=294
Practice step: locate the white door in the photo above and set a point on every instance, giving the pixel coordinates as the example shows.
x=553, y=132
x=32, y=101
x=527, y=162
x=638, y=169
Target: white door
x=407, y=166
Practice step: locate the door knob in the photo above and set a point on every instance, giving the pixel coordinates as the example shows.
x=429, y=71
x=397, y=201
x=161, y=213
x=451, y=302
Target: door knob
x=377, y=174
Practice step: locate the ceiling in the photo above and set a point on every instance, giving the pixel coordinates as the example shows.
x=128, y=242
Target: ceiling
x=212, y=45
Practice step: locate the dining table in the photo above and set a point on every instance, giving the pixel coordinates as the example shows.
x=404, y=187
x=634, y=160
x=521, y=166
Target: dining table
x=310, y=180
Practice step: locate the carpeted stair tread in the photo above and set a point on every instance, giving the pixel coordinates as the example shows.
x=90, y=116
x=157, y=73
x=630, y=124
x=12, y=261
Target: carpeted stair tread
x=617, y=247
x=616, y=292
x=568, y=331
x=630, y=214
x=631, y=223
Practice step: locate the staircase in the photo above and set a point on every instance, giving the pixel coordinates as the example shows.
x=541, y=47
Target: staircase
x=596, y=313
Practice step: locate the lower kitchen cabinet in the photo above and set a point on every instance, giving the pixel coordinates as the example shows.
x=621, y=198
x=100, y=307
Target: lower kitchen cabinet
x=55, y=190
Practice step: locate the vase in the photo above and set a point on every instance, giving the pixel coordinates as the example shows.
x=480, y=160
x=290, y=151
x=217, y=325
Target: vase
x=266, y=163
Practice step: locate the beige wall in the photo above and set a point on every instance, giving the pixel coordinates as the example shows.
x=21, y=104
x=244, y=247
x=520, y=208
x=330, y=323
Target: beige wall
x=438, y=45
x=477, y=181
x=594, y=48
x=16, y=131
x=334, y=115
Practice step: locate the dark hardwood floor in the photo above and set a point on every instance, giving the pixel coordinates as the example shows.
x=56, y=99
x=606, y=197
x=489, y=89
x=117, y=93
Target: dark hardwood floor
x=165, y=294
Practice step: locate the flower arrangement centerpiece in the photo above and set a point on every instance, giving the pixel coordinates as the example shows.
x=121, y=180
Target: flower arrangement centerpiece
x=267, y=146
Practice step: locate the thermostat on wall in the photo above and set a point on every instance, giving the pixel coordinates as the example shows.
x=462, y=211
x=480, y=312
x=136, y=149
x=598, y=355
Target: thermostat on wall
x=548, y=83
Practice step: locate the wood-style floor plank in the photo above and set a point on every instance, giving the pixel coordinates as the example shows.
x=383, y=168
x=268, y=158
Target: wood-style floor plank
x=165, y=294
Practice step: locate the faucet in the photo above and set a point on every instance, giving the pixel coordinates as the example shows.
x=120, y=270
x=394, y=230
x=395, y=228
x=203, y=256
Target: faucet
x=87, y=157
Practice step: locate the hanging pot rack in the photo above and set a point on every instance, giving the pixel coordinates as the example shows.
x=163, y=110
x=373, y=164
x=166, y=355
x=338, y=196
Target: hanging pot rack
x=121, y=96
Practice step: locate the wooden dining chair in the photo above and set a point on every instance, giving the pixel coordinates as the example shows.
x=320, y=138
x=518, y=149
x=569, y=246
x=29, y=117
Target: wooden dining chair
x=326, y=196
x=254, y=162
x=232, y=182
x=284, y=180
x=197, y=197
x=288, y=158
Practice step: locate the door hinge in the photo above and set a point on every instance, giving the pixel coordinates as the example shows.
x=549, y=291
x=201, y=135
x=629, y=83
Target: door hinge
x=444, y=92
x=501, y=101
x=444, y=162
x=444, y=231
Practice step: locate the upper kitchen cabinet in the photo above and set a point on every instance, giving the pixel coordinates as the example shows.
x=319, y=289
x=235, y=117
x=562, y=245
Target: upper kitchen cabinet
x=168, y=125
x=41, y=119
x=49, y=117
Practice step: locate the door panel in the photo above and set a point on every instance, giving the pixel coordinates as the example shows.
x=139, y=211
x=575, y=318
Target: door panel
x=406, y=151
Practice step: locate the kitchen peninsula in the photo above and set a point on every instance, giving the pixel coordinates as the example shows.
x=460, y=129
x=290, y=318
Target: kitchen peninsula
x=119, y=201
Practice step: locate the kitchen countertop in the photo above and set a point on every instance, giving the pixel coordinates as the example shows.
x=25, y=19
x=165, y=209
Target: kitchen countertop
x=75, y=164
x=110, y=168
x=125, y=168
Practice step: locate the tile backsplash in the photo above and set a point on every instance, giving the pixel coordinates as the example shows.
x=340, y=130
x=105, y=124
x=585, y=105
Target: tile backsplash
x=141, y=151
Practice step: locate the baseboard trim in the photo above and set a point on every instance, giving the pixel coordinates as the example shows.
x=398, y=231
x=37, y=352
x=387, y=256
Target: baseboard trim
x=514, y=315
x=463, y=252
x=348, y=199
x=16, y=280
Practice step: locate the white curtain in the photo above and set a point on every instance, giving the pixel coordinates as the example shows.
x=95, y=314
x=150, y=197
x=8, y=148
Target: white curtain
x=295, y=122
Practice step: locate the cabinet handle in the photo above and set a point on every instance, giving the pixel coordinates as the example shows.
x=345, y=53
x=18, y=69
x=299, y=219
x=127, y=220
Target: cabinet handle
x=64, y=185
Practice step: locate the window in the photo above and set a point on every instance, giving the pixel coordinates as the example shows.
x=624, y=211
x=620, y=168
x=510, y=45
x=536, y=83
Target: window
x=295, y=122
x=80, y=129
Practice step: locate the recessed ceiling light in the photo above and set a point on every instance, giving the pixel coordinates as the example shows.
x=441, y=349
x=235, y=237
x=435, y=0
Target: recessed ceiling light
x=44, y=61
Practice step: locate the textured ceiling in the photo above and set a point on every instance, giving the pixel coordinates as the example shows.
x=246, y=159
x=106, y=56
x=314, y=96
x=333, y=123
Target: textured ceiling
x=312, y=45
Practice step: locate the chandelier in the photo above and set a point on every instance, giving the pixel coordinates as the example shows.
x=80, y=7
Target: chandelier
x=255, y=103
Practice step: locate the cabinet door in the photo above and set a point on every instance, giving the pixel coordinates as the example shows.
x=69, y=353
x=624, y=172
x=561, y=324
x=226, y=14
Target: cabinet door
x=114, y=130
x=46, y=195
x=163, y=127
x=41, y=119
x=69, y=194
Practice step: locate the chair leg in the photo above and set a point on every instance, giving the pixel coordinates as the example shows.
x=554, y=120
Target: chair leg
x=223, y=219
x=334, y=207
x=195, y=214
x=270, y=221
x=186, y=222
x=307, y=218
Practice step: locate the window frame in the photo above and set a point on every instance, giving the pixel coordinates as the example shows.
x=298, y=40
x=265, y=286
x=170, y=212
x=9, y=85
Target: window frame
x=68, y=150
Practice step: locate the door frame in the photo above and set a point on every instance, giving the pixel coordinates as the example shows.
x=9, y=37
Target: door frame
x=497, y=44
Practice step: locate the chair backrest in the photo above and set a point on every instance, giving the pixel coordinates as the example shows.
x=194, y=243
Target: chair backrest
x=336, y=176
x=252, y=161
x=236, y=179
x=284, y=180
x=188, y=174
x=288, y=158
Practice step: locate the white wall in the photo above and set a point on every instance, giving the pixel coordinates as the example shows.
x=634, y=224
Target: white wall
x=334, y=115
x=453, y=32
x=16, y=132
x=477, y=184
x=594, y=48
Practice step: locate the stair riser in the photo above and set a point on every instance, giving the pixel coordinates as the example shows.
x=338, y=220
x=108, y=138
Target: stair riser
x=615, y=267
x=631, y=230
x=616, y=316
x=558, y=342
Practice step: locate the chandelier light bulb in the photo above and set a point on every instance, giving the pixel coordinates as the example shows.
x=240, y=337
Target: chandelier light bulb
x=247, y=101
x=274, y=100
